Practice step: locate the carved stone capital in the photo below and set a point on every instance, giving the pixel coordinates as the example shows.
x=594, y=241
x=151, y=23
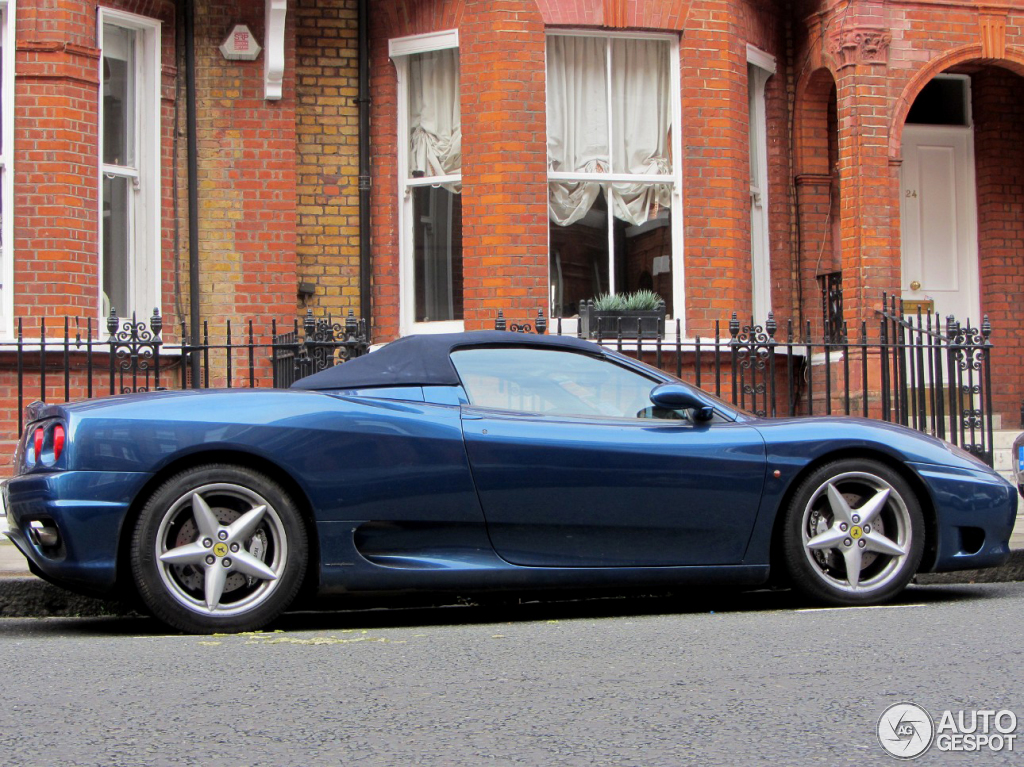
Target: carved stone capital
x=861, y=45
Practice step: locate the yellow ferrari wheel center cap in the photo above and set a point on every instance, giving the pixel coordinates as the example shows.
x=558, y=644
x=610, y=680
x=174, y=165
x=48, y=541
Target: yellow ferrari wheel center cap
x=856, y=532
x=221, y=549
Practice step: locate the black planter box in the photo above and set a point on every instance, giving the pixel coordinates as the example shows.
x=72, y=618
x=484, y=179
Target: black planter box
x=632, y=324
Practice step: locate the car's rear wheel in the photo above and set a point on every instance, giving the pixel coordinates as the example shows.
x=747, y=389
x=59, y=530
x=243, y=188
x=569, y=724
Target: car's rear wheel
x=218, y=548
x=854, y=533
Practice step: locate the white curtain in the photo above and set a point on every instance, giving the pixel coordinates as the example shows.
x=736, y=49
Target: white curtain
x=641, y=121
x=435, y=121
x=577, y=107
x=578, y=114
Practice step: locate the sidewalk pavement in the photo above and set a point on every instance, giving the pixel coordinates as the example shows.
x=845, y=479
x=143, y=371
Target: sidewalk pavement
x=22, y=595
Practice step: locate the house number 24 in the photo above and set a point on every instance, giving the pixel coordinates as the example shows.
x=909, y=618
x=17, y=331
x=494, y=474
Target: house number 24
x=910, y=193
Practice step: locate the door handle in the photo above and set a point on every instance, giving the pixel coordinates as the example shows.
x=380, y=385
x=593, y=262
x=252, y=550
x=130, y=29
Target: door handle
x=915, y=285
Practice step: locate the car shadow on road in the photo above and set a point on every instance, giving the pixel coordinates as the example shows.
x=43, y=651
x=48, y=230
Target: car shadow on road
x=364, y=613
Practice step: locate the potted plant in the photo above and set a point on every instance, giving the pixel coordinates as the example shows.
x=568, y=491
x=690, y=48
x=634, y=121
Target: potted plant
x=633, y=315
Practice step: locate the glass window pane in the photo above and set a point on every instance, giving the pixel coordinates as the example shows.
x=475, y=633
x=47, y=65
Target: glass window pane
x=753, y=128
x=435, y=130
x=579, y=258
x=552, y=382
x=577, y=104
x=116, y=223
x=643, y=255
x=581, y=102
x=437, y=250
x=641, y=106
x=118, y=96
x=943, y=101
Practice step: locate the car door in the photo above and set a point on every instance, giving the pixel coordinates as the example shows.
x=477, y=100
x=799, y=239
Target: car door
x=574, y=468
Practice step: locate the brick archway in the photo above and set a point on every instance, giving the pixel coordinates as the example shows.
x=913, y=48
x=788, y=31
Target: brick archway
x=1014, y=61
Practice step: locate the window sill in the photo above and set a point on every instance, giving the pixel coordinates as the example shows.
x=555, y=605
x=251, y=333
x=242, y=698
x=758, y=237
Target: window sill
x=425, y=328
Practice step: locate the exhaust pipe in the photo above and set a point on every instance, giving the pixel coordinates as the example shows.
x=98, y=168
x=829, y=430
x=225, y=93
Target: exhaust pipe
x=42, y=534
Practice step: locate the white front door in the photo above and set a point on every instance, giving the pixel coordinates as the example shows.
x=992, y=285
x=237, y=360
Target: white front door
x=939, y=222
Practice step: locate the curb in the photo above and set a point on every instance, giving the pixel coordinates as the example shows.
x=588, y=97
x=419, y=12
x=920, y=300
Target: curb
x=31, y=597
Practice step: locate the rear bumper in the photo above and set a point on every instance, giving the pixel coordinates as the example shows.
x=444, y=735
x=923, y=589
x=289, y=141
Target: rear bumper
x=975, y=515
x=87, y=508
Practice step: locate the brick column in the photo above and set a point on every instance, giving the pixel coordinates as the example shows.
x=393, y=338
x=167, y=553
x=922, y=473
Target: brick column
x=716, y=172
x=869, y=188
x=504, y=170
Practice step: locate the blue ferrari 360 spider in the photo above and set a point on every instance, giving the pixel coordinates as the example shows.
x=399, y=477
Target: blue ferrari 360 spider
x=479, y=462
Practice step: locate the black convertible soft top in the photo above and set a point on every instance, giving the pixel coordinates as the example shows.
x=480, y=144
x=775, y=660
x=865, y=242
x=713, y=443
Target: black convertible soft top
x=425, y=360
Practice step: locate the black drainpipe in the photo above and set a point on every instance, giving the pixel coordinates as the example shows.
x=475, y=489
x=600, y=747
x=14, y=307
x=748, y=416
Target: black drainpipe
x=363, y=103
x=193, y=187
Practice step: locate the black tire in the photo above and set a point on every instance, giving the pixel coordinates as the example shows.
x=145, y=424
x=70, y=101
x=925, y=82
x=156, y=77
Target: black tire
x=867, y=558
x=200, y=568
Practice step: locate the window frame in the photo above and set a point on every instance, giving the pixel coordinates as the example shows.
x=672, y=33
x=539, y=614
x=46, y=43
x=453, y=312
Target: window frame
x=8, y=26
x=760, y=68
x=399, y=50
x=675, y=179
x=145, y=208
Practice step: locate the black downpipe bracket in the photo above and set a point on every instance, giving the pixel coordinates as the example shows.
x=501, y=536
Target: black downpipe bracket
x=193, y=188
x=363, y=104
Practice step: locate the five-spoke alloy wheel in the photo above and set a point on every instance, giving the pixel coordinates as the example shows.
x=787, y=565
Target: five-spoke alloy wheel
x=219, y=548
x=854, y=533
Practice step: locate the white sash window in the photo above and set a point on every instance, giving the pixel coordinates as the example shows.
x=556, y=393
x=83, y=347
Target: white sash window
x=129, y=163
x=614, y=180
x=430, y=182
x=760, y=67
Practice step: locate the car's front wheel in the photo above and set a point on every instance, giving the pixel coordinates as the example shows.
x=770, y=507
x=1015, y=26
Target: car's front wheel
x=854, y=533
x=218, y=548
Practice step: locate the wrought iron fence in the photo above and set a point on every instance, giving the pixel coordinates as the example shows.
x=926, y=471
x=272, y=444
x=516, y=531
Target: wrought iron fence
x=915, y=370
x=832, y=304
x=80, y=361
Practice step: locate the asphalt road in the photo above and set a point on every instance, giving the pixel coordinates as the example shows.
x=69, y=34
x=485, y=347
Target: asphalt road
x=725, y=679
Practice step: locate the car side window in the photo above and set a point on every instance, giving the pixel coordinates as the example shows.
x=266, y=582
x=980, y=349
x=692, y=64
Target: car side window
x=554, y=382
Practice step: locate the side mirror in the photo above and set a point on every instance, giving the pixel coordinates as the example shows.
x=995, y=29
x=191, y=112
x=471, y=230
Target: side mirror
x=673, y=396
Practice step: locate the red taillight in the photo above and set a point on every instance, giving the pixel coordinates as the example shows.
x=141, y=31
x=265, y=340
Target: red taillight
x=58, y=441
x=37, y=439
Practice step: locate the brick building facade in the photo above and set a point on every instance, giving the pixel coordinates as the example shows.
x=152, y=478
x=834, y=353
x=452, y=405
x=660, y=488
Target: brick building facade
x=751, y=149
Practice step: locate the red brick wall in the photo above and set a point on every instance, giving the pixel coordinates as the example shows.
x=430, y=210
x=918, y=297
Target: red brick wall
x=716, y=180
x=999, y=168
x=504, y=173
x=620, y=14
